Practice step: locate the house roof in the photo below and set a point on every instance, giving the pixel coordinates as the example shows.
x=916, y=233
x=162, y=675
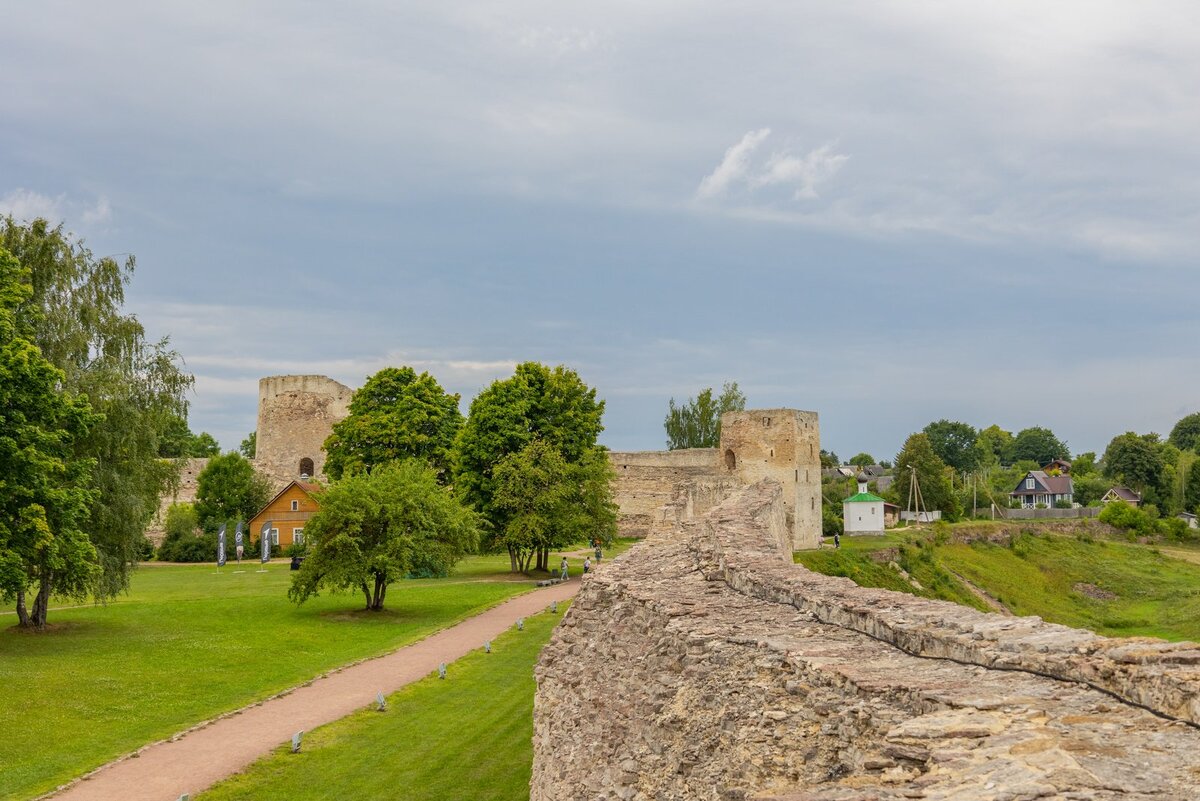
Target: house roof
x=310, y=489
x=1061, y=464
x=863, y=497
x=1125, y=494
x=1054, y=485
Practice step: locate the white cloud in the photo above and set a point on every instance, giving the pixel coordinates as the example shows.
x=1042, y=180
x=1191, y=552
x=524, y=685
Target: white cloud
x=100, y=212
x=734, y=166
x=783, y=168
x=24, y=204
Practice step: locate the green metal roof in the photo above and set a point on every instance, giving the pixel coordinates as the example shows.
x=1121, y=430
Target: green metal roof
x=864, y=497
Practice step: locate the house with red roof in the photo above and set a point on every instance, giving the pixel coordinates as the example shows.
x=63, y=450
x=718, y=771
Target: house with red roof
x=1038, y=488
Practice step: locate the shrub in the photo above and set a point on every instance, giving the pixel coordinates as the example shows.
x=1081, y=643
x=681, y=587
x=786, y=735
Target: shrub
x=1119, y=514
x=183, y=541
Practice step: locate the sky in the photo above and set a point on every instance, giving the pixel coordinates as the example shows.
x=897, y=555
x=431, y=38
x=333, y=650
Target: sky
x=885, y=212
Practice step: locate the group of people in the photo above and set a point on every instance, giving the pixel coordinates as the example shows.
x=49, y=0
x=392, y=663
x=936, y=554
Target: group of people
x=587, y=563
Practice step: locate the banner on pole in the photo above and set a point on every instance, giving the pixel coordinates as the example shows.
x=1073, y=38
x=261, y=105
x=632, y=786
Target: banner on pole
x=237, y=541
x=221, y=546
x=266, y=541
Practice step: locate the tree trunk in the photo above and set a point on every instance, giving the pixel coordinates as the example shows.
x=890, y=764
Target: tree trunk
x=41, y=603
x=367, y=594
x=22, y=613
x=380, y=592
x=512, y=559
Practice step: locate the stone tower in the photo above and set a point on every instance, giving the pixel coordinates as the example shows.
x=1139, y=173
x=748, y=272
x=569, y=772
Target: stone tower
x=784, y=445
x=296, y=414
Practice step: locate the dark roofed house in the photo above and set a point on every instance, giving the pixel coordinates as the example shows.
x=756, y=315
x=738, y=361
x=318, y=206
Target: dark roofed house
x=1038, y=488
x=1122, y=494
x=1061, y=465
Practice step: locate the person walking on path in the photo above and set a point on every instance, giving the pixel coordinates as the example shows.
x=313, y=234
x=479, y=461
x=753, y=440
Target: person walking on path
x=587, y=564
x=599, y=553
x=837, y=540
x=563, y=568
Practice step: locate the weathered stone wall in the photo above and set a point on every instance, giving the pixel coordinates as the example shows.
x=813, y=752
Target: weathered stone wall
x=296, y=414
x=705, y=665
x=655, y=490
x=185, y=493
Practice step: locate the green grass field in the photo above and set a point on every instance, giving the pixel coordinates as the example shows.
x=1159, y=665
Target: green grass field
x=466, y=738
x=187, y=644
x=1115, y=588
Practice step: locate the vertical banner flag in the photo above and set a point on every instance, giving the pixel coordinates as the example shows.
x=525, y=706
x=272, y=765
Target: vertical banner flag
x=221, y=546
x=266, y=541
x=237, y=540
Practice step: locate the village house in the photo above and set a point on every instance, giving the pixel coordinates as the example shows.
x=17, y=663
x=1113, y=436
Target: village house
x=863, y=513
x=287, y=513
x=1038, y=488
x=1122, y=494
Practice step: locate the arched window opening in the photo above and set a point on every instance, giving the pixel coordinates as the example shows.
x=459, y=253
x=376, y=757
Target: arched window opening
x=306, y=467
x=730, y=460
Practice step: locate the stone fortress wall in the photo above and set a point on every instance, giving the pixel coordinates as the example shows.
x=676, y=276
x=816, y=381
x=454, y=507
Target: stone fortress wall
x=717, y=669
x=296, y=414
x=655, y=490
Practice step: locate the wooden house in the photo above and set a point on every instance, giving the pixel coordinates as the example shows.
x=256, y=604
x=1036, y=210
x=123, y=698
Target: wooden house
x=1038, y=488
x=287, y=513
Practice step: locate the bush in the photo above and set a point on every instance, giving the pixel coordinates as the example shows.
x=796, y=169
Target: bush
x=183, y=541
x=1062, y=503
x=1119, y=514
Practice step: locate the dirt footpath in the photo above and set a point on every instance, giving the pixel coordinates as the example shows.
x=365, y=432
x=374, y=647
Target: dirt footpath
x=197, y=760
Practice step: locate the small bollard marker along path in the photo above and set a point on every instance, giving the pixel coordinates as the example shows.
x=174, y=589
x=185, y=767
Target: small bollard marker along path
x=199, y=759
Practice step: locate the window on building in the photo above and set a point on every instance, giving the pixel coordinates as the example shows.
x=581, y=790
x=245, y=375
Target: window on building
x=1029, y=483
x=295, y=506
x=306, y=467
x=298, y=536
x=274, y=536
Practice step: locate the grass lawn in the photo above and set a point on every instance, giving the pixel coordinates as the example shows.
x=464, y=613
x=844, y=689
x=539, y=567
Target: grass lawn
x=468, y=737
x=185, y=645
x=1114, y=588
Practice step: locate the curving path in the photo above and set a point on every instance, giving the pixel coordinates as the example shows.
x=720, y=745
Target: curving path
x=201, y=757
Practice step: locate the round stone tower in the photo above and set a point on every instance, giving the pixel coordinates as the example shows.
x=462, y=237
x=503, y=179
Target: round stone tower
x=296, y=414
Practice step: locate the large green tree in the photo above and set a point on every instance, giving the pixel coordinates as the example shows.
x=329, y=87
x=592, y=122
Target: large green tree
x=993, y=447
x=397, y=414
x=1191, y=491
x=1039, y=445
x=954, y=443
x=696, y=423
x=44, y=485
x=538, y=402
x=177, y=441
x=375, y=528
x=549, y=503
x=1186, y=433
x=932, y=477
x=77, y=319
x=229, y=488
x=1135, y=461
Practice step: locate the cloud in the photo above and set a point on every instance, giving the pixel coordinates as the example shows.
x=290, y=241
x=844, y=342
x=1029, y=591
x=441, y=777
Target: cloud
x=782, y=168
x=733, y=166
x=100, y=212
x=26, y=205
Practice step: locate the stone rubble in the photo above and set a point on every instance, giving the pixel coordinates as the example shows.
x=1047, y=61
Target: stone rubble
x=707, y=666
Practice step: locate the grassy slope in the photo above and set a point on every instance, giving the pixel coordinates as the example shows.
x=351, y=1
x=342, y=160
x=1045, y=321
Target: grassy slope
x=468, y=738
x=185, y=645
x=1158, y=594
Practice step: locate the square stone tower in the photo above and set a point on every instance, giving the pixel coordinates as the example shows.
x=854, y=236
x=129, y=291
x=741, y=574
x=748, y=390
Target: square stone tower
x=784, y=445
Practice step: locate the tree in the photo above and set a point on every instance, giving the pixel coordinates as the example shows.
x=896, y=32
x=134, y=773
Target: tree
x=183, y=541
x=76, y=318
x=1191, y=492
x=862, y=460
x=396, y=415
x=549, y=503
x=176, y=441
x=1134, y=461
x=44, y=486
x=229, y=488
x=931, y=475
x=954, y=443
x=697, y=423
x=204, y=445
x=375, y=528
x=1186, y=433
x=829, y=459
x=1039, y=445
x=552, y=405
x=249, y=446
x=1083, y=464
x=993, y=447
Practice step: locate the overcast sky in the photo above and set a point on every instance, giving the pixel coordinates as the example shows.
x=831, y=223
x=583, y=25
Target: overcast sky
x=886, y=212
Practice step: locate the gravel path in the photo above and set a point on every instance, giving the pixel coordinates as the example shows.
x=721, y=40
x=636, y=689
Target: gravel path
x=200, y=758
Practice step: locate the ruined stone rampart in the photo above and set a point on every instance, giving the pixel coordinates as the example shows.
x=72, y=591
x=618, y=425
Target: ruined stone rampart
x=703, y=664
x=185, y=492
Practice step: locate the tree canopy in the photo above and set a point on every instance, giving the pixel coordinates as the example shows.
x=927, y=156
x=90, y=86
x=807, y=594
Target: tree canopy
x=862, y=460
x=44, y=485
x=1134, y=461
x=1186, y=433
x=375, y=528
x=75, y=316
x=249, y=446
x=697, y=422
x=177, y=441
x=931, y=475
x=551, y=405
x=1039, y=445
x=396, y=415
x=993, y=447
x=954, y=443
x=229, y=488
